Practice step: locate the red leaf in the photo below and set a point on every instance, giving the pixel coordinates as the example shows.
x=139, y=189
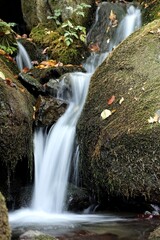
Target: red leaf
x=111, y=100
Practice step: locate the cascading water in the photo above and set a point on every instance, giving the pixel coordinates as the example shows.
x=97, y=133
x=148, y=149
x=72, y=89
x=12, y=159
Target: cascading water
x=53, y=151
x=54, y=163
x=22, y=58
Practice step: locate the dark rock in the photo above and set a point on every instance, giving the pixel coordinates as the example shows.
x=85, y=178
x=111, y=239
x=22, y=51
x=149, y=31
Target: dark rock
x=120, y=155
x=45, y=74
x=48, y=110
x=32, y=84
x=105, y=27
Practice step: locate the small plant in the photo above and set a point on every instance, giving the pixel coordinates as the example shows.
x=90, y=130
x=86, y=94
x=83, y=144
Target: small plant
x=7, y=37
x=9, y=49
x=71, y=30
x=56, y=16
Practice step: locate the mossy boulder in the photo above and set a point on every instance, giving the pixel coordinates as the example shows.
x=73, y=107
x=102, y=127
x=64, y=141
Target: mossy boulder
x=46, y=37
x=5, y=233
x=35, y=12
x=120, y=155
x=16, y=118
x=150, y=10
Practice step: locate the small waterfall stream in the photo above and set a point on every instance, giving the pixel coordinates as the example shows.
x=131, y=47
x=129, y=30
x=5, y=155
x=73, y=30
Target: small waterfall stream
x=53, y=151
x=22, y=58
x=53, y=164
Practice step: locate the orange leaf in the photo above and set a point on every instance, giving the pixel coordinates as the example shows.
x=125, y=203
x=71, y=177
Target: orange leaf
x=111, y=100
x=25, y=70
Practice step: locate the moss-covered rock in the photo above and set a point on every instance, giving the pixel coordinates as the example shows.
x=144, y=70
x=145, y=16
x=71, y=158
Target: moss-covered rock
x=5, y=233
x=150, y=10
x=120, y=155
x=155, y=235
x=57, y=49
x=16, y=118
x=35, y=12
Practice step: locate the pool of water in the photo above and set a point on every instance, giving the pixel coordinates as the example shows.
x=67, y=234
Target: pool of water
x=85, y=227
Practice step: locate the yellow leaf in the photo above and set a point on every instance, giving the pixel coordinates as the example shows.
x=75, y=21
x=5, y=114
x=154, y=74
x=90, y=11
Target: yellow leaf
x=105, y=114
x=2, y=75
x=151, y=120
x=112, y=16
x=121, y=100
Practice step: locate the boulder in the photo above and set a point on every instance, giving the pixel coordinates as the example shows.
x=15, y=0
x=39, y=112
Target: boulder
x=120, y=154
x=35, y=12
x=5, y=233
x=16, y=119
x=36, y=235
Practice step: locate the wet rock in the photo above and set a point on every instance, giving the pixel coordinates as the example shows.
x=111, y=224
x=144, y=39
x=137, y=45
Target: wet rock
x=16, y=119
x=45, y=74
x=60, y=88
x=48, y=110
x=32, y=84
x=120, y=155
x=77, y=199
x=35, y=235
x=109, y=17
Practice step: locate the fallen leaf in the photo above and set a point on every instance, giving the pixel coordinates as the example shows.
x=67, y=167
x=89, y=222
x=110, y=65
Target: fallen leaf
x=2, y=52
x=112, y=16
x=2, y=75
x=151, y=120
x=94, y=47
x=22, y=89
x=10, y=83
x=111, y=100
x=105, y=114
x=121, y=100
x=25, y=70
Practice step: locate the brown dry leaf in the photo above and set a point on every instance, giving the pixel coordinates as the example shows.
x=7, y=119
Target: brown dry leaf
x=25, y=70
x=112, y=16
x=111, y=100
x=22, y=89
x=94, y=47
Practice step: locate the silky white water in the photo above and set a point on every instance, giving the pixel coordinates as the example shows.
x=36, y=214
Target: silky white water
x=52, y=167
x=23, y=60
x=53, y=151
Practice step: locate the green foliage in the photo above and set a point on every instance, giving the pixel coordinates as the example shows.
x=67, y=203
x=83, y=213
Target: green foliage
x=71, y=30
x=56, y=16
x=7, y=38
x=9, y=49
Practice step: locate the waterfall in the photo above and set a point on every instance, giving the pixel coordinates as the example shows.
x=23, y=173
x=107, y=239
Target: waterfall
x=54, y=150
x=22, y=58
x=53, y=164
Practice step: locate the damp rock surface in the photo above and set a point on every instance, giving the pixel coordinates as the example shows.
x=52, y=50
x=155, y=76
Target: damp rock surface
x=120, y=154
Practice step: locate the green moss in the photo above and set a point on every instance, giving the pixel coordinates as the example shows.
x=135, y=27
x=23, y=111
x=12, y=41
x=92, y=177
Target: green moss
x=151, y=10
x=5, y=233
x=121, y=153
x=57, y=48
